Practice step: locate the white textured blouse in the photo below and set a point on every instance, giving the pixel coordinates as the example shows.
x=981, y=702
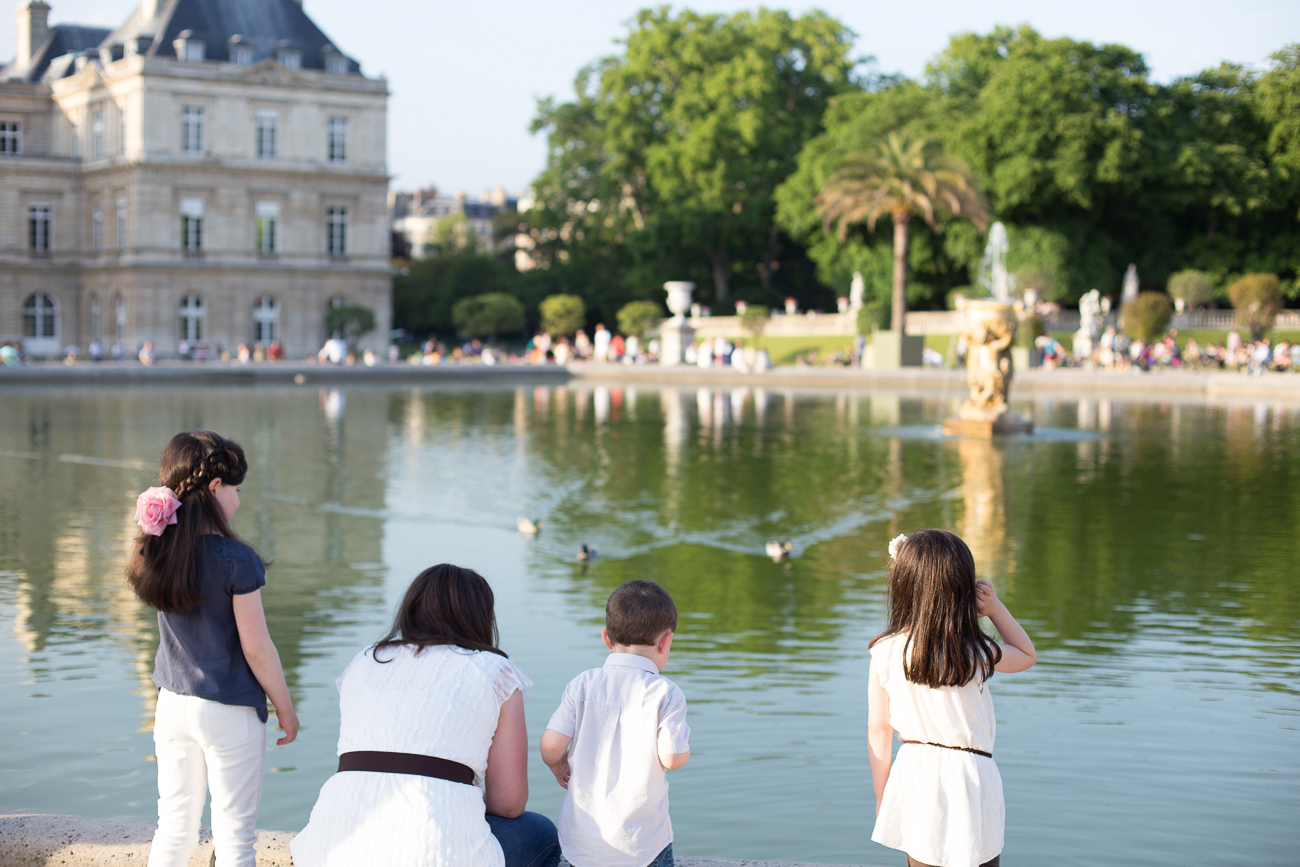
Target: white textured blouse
x=621, y=717
x=444, y=702
x=941, y=806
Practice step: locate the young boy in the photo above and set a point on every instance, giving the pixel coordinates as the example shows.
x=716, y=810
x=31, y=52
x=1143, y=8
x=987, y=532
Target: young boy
x=617, y=732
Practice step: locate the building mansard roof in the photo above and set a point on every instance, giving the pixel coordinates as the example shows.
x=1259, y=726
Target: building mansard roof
x=63, y=40
x=266, y=27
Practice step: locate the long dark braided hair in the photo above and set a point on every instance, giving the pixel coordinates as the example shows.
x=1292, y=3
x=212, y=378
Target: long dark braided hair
x=164, y=570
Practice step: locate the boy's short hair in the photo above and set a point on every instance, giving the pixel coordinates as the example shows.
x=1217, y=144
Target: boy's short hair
x=638, y=612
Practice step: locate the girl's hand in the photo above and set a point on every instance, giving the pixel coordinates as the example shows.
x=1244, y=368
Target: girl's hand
x=289, y=722
x=986, y=599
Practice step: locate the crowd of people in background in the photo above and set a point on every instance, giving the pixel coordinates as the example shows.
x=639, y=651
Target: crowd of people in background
x=1114, y=351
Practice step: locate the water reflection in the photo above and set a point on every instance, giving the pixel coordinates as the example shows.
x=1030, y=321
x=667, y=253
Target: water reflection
x=1128, y=552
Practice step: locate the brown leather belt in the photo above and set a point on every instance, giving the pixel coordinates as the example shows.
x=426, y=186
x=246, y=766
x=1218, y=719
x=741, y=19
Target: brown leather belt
x=946, y=747
x=407, y=763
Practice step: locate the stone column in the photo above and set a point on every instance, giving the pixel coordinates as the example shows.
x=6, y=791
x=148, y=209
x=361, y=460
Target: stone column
x=676, y=334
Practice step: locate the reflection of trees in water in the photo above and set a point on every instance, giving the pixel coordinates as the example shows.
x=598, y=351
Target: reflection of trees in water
x=69, y=526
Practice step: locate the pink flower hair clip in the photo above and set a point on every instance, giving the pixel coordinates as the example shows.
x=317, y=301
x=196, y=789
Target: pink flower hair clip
x=155, y=510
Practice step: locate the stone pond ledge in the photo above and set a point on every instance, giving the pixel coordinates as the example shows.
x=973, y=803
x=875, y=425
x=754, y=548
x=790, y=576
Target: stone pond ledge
x=41, y=839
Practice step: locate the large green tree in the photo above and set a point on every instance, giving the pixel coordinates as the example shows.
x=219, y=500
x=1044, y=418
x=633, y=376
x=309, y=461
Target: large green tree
x=671, y=151
x=1091, y=165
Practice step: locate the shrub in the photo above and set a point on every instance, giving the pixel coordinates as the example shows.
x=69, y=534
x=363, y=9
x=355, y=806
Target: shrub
x=639, y=317
x=754, y=320
x=350, y=322
x=1196, y=288
x=488, y=315
x=1147, y=316
x=562, y=314
x=1257, y=299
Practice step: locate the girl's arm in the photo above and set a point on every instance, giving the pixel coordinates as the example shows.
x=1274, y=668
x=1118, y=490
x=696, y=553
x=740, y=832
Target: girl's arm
x=1017, y=650
x=880, y=734
x=264, y=659
x=505, y=783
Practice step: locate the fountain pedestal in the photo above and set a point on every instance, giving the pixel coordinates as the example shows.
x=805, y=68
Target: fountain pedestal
x=990, y=333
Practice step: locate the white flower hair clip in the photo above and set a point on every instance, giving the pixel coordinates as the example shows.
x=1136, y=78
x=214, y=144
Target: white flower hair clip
x=894, y=543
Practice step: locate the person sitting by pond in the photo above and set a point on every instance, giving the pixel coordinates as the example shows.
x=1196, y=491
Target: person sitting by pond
x=618, y=730
x=216, y=663
x=941, y=803
x=433, y=750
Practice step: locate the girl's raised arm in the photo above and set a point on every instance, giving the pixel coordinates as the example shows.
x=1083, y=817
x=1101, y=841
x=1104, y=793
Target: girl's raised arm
x=880, y=734
x=1018, y=651
x=264, y=660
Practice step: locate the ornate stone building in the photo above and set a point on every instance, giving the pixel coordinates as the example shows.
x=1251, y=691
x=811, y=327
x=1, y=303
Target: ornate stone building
x=212, y=171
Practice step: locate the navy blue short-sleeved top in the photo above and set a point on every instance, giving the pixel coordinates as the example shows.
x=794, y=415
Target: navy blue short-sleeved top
x=198, y=650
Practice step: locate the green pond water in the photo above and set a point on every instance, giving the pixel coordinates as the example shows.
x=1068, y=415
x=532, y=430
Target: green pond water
x=1150, y=549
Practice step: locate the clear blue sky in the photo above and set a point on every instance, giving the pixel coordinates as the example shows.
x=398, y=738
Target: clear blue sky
x=465, y=75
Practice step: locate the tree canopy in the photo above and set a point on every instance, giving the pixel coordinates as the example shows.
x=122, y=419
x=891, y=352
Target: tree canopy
x=698, y=150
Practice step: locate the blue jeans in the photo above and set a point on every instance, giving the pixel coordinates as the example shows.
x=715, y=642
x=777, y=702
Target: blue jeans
x=529, y=841
x=664, y=858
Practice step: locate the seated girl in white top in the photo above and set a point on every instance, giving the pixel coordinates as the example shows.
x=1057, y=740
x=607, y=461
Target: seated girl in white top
x=941, y=803
x=433, y=752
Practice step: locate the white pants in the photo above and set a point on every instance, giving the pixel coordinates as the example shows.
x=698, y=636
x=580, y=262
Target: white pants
x=202, y=744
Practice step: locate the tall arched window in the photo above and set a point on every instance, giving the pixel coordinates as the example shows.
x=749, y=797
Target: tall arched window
x=96, y=319
x=266, y=320
x=119, y=319
x=193, y=314
x=40, y=325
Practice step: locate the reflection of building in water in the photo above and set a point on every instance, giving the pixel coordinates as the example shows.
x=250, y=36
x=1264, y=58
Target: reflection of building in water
x=984, y=521
x=69, y=526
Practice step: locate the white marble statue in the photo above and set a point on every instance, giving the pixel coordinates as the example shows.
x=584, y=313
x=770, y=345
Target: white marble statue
x=1130, y=284
x=857, y=289
x=1090, y=315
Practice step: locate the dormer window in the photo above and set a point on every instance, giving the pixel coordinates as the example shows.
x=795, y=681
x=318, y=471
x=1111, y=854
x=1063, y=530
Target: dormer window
x=241, y=55
x=290, y=58
x=335, y=63
x=188, y=48
x=138, y=46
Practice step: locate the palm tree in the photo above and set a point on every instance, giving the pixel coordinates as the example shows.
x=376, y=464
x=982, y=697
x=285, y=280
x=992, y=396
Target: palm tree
x=904, y=177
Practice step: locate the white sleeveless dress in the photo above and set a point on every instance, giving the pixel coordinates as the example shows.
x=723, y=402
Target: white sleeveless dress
x=942, y=807
x=444, y=702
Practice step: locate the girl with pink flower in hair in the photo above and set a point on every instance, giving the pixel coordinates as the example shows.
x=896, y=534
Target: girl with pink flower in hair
x=216, y=663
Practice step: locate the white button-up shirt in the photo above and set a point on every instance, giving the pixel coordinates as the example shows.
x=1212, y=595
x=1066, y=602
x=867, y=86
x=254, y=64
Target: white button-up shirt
x=620, y=717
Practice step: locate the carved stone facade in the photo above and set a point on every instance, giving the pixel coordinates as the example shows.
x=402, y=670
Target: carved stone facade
x=165, y=183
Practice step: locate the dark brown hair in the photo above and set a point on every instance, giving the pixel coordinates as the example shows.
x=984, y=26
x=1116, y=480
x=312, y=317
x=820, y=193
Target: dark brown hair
x=932, y=601
x=164, y=570
x=445, y=604
x=638, y=612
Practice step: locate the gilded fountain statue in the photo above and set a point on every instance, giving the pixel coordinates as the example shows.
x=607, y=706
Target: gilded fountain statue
x=990, y=333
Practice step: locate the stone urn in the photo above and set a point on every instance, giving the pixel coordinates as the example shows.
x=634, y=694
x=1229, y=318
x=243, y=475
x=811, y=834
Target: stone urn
x=990, y=333
x=676, y=334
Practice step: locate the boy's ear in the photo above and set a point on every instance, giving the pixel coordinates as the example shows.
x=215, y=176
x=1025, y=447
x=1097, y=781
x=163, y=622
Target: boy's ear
x=604, y=636
x=665, y=641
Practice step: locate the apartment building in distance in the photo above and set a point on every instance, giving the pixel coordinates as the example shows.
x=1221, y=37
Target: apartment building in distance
x=211, y=171
x=423, y=215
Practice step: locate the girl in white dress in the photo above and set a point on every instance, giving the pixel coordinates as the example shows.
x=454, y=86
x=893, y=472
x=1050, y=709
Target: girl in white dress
x=433, y=752
x=941, y=802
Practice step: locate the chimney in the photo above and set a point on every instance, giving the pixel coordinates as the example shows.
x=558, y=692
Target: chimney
x=33, y=27
x=148, y=10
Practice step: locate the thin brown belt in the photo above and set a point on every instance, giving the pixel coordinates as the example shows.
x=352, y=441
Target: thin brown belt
x=946, y=747
x=407, y=763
